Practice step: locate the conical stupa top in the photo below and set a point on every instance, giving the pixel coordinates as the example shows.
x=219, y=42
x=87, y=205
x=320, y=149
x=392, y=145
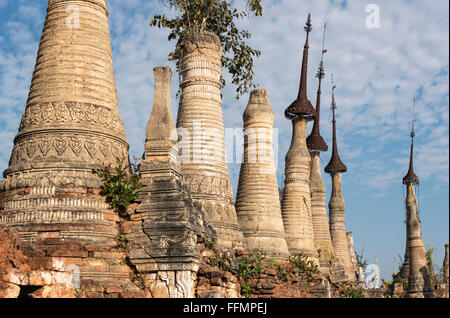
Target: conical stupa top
x=335, y=164
x=302, y=106
x=315, y=140
x=411, y=177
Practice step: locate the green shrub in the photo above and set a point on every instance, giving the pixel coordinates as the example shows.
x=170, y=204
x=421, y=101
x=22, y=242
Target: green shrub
x=246, y=290
x=282, y=274
x=352, y=292
x=251, y=265
x=120, y=186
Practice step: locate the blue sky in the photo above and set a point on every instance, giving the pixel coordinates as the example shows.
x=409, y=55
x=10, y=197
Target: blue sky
x=377, y=71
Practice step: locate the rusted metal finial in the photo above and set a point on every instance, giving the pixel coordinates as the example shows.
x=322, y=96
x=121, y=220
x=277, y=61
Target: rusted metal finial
x=411, y=177
x=335, y=164
x=302, y=107
x=315, y=141
x=308, y=25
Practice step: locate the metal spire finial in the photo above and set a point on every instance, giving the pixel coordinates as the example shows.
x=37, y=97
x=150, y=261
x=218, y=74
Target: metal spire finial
x=335, y=164
x=320, y=72
x=413, y=134
x=308, y=25
x=333, y=103
x=411, y=177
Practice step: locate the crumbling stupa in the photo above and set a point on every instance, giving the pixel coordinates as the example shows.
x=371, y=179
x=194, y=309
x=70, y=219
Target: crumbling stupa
x=166, y=224
x=296, y=204
x=201, y=132
x=419, y=284
x=336, y=206
x=257, y=202
x=316, y=144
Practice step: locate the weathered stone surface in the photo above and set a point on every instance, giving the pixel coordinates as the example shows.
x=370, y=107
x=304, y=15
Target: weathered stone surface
x=164, y=241
x=351, y=248
x=71, y=124
x=336, y=208
x=419, y=283
x=9, y=290
x=257, y=202
x=296, y=204
x=201, y=132
x=322, y=237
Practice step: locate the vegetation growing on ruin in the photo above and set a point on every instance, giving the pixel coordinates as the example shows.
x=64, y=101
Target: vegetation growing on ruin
x=360, y=260
x=218, y=17
x=251, y=265
x=352, y=292
x=435, y=271
x=302, y=263
x=120, y=186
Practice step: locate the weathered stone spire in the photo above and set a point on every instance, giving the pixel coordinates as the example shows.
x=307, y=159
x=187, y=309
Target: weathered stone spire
x=336, y=205
x=419, y=284
x=257, y=203
x=302, y=106
x=410, y=177
x=166, y=223
x=315, y=143
x=202, y=140
x=296, y=205
x=71, y=125
x=335, y=164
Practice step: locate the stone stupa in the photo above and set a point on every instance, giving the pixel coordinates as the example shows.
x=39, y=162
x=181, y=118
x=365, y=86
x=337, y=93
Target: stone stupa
x=296, y=202
x=336, y=206
x=71, y=124
x=419, y=280
x=201, y=136
x=257, y=202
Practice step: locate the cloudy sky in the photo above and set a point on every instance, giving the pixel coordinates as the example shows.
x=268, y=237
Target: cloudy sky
x=378, y=69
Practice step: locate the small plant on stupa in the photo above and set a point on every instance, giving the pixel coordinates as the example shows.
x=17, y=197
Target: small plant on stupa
x=219, y=17
x=352, y=292
x=120, y=186
x=251, y=265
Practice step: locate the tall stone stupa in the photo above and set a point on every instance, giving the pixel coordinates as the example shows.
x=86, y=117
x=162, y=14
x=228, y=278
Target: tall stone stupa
x=257, y=203
x=201, y=136
x=71, y=124
x=336, y=206
x=419, y=284
x=296, y=204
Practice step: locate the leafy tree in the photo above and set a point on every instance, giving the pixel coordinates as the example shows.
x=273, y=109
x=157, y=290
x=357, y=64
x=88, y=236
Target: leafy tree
x=218, y=17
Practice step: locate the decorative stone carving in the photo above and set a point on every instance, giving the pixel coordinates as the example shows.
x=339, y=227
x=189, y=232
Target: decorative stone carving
x=68, y=114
